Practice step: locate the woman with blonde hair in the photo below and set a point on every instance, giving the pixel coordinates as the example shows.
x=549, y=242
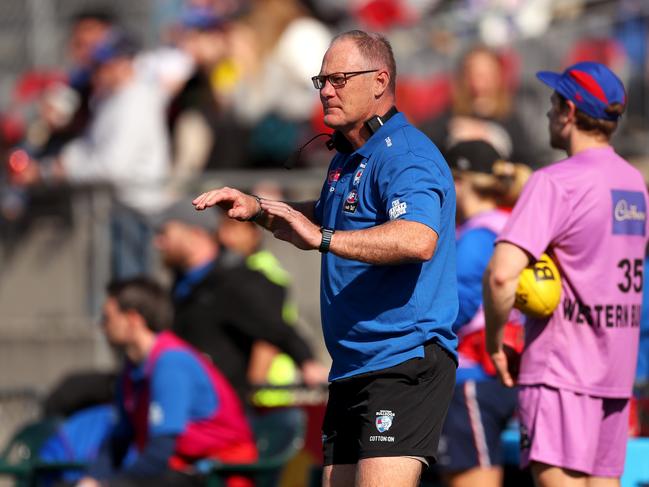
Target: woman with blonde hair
x=470, y=451
x=483, y=107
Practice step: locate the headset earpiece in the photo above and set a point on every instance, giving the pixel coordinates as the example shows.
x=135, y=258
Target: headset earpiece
x=341, y=144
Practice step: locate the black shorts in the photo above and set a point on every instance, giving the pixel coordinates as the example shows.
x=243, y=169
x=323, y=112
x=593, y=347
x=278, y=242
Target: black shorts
x=394, y=412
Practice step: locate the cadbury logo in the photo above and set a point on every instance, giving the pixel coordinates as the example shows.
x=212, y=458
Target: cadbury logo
x=624, y=211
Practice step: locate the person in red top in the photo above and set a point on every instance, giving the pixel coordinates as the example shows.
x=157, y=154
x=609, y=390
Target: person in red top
x=176, y=409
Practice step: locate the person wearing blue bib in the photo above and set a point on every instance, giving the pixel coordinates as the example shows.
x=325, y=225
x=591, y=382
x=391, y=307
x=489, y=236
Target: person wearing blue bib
x=385, y=225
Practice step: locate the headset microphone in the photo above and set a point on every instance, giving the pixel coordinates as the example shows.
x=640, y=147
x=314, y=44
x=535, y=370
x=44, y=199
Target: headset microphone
x=294, y=158
x=338, y=141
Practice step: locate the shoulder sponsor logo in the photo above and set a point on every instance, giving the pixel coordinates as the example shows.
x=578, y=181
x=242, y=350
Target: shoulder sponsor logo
x=629, y=212
x=398, y=209
x=624, y=211
x=388, y=141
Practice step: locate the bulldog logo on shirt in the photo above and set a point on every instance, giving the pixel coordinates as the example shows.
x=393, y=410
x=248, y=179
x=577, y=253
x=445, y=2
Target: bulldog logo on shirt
x=351, y=202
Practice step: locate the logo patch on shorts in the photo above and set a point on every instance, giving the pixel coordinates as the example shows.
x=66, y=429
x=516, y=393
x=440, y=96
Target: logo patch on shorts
x=384, y=420
x=629, y=212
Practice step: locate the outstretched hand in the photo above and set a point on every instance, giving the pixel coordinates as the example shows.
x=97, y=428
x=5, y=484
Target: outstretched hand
x=236, y=204
x=292, y=226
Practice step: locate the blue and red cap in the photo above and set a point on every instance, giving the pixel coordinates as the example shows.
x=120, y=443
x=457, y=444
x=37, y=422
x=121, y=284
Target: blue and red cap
x=591, y=86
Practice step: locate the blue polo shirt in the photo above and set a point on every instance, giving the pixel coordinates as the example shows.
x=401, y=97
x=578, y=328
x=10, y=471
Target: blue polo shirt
x=378, y=316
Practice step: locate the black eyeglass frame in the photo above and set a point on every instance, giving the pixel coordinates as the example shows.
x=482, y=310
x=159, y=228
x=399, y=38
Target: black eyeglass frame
x=320, y=80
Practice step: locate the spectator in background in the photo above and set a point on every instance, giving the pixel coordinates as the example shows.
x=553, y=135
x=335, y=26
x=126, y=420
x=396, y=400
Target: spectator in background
x=267, y=365
x=126, y=145
x=175, y=407
x=204, y=133
x=274, y=96
x=62, y=112
x=88, y=29
x=470, y=446
x=483, y=108
x=222, y=306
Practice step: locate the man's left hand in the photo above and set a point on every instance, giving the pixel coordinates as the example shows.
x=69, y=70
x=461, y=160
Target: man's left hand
x=501, y=364
x=292, y=226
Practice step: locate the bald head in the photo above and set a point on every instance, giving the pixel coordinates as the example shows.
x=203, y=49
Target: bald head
x=376, y=49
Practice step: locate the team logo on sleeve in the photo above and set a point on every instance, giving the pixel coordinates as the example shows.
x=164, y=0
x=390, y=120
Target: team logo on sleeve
x=398, y=208
x=351, y=202
x=629, y=212
x=384, y=420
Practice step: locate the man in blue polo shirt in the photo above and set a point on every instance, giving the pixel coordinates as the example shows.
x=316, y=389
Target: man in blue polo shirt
x=385, y=224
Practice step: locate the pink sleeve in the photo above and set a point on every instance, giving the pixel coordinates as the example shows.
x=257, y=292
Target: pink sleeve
x=539, y=217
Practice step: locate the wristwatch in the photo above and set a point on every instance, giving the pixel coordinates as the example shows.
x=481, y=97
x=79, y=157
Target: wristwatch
x=326, y=239
x=256, y=216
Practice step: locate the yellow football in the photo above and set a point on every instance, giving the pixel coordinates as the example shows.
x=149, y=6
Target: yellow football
x=539, y=288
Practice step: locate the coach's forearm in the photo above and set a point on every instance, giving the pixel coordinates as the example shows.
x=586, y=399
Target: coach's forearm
x=394, y=242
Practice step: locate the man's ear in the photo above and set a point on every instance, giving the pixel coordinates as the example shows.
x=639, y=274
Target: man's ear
x=569, y=111
x=381, y=83
x=135, y=319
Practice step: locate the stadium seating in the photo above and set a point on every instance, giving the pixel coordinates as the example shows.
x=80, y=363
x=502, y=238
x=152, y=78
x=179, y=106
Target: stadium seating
x=280, y=435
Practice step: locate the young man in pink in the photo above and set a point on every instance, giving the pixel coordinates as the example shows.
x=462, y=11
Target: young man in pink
x=588, y=212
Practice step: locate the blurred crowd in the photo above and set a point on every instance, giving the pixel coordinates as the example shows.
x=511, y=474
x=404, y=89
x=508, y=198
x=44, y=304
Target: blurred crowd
x=228, y=87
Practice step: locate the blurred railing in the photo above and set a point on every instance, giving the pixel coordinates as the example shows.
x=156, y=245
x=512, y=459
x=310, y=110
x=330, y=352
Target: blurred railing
x=55, y=263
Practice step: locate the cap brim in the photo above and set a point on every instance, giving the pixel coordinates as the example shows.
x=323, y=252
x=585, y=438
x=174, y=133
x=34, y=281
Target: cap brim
x=549, y=78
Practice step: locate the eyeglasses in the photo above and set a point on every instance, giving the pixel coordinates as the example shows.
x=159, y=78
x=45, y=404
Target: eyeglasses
x=337, y=80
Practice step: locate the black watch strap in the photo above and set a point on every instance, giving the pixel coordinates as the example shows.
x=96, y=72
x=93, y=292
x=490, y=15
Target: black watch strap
x=326, y=239
x=260, y=212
